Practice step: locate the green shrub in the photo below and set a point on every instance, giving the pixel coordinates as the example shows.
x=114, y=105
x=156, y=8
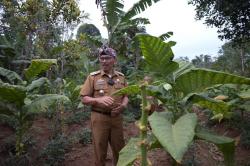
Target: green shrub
x=78, y=117
x=10, y=121
x=55, y=150
x=85, y=136
x=129, y=115
x=22, y=160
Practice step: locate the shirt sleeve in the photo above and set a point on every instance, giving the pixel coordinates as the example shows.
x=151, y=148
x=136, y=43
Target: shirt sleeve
x=87, y=87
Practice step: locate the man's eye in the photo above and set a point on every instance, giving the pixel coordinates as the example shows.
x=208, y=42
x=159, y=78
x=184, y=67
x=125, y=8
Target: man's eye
x=105, y=59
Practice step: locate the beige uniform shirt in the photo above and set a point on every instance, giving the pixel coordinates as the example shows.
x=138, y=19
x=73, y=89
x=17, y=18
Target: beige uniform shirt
x=96, y=85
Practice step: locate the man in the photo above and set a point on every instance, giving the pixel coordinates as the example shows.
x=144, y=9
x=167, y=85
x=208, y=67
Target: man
x=106, y=118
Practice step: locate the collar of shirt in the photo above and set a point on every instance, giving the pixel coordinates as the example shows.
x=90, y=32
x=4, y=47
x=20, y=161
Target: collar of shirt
x=114, y=74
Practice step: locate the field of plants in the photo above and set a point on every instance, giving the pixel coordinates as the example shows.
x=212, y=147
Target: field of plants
x=181, y=111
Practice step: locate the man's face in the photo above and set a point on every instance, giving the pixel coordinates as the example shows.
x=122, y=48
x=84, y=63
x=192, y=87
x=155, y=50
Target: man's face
x=107, y=62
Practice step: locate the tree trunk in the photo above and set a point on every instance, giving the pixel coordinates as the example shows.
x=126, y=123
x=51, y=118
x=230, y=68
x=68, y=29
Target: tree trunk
x=242, y=58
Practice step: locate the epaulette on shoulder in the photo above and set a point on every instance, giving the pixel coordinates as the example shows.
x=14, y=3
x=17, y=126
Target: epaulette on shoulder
x=120, y=73
x=95, y=73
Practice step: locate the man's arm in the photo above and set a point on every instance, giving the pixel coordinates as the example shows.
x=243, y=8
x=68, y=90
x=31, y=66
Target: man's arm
x=117, y=110
x=104, y=101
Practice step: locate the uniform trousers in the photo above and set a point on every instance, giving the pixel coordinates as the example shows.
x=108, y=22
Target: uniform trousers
x=106, y=129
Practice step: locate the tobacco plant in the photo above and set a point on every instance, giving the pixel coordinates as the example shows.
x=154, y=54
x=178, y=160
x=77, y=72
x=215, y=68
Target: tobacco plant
x=21, y=99
x=178, y=86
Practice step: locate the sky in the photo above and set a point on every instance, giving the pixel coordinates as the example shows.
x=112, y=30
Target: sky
x=193, y=37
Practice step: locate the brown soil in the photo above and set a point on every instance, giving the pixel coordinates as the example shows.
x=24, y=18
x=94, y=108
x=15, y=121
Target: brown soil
x=200, y=153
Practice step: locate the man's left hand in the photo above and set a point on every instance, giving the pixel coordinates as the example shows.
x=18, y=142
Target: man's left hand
x=117, y=110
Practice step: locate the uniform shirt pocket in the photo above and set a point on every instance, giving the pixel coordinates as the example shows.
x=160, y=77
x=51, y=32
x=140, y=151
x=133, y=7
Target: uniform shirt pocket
x=101, y=89
x=119, y=84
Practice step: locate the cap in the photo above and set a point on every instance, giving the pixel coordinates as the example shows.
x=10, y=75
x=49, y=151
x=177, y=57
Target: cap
x=104, y=50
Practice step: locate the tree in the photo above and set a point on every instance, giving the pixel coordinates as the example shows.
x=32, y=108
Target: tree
x=122, y=25
x=204, y=61
x=34, y=27
x=230, y=59
x=88, y=29
x=230, y=16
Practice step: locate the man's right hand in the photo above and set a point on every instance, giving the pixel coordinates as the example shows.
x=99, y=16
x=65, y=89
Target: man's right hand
x=105, y=101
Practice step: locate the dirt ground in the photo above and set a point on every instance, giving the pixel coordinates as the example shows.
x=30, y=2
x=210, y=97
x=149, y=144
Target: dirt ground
x=199, y=153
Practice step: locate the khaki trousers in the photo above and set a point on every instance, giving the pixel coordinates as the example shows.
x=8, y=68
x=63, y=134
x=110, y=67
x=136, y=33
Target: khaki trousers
x=106, y=129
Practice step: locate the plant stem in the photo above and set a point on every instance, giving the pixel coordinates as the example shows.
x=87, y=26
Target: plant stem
x=19, y=136
x=143, y=127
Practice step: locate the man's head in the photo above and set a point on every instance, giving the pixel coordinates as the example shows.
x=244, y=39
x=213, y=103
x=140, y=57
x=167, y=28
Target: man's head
x=107, y=58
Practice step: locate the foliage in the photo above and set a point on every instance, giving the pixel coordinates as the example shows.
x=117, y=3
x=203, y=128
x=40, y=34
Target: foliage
x=129, y=115
x=176, y=87
x=38, y=66
x=9, y=76
x=122, y=27
x=234, y=59
x=78, y=117
x=202, y=61
x=55, y=150
x=224, y=99
x=129, y=153
x=34, y=26
x=88, y=29
x=230, y=16
x=176, y=137
x=243, y=125
x=17, y=102
x=85, y=136
x=225, y=144
x=40, y=86
x=152, y=55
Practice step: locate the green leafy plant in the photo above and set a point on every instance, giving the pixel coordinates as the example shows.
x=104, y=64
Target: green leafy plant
x=78, y=117
x=178, y=86
x=55, y=150
x=224, y=99
x=85, y=136
x=17, y=102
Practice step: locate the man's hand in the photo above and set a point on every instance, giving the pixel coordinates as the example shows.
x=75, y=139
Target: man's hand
x=105, y=101
x=117, y=110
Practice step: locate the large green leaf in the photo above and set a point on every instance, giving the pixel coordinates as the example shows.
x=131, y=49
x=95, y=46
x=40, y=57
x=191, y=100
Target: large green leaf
x=129, y=90
x=245, y=94
x=11, y=76
x=38, y=66
x=12, y=94
x=245, y=106
x=137, y=8
x=94, y=39
x=44, y=102
x=225, y=144
x=153, y=142
x=196, y=80
x=75, y=94
x=132, y=151
x=129, y=153
x=6, y=109
x=183, y=67
x=160, y=92
x=6, y=50
x=157, y=54
x=38, y=83
x=166, y=36
x=113, y=10
x=220, y=108
x=175, y=138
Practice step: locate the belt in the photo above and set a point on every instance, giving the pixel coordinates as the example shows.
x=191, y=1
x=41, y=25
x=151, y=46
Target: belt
x=102, y=112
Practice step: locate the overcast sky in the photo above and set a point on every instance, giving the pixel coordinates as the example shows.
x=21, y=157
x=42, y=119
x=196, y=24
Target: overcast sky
x=193, y=37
